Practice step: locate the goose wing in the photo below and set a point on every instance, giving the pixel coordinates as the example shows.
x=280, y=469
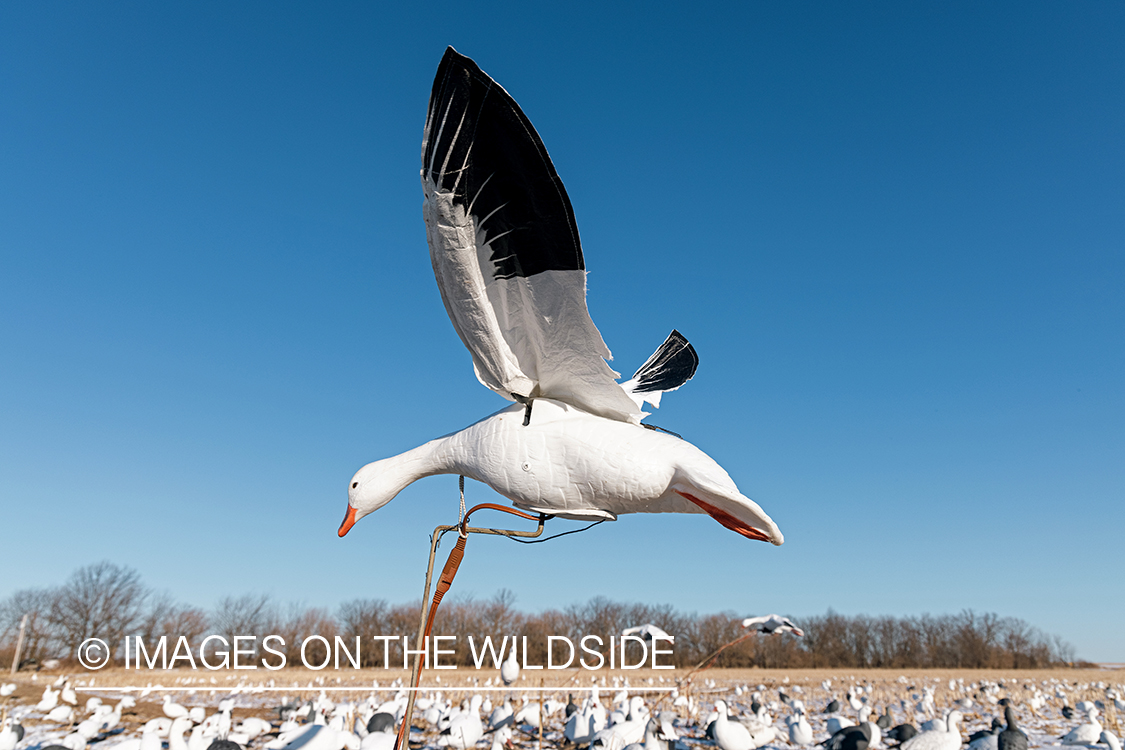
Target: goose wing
x=669, y=367
x=505, y=248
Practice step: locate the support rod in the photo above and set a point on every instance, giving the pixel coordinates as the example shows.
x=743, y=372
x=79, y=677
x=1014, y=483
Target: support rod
x=402, y=742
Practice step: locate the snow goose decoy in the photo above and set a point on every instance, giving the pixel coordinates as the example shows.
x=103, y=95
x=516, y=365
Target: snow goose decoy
x=505, y=250
x=1011, y=738
x=510, y=668
x=501, y=716
x=528, y=714
x=49, y=700
x=1084, y=734
x=648, y=633
x=730, y=735
x=938, y=739
x=9, y=738
x=773, y=625
x=659, y=735
x=171, y=709
x=465, y=729
x=800, y=731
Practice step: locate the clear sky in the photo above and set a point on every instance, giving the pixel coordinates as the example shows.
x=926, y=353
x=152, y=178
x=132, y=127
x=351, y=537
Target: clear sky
x=893, y=231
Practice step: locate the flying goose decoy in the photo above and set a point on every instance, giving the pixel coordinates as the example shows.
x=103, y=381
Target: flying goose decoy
x=505, y=250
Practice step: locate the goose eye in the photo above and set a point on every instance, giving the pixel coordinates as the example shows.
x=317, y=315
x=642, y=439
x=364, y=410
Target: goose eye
x=354, y=485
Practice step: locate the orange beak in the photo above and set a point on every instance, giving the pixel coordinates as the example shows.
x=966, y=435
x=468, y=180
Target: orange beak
x=349, y=521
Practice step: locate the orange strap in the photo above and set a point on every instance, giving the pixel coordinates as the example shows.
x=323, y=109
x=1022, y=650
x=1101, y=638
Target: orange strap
x=445, y=580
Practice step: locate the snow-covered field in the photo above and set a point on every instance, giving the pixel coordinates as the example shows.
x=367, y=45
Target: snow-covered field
x=252, y=713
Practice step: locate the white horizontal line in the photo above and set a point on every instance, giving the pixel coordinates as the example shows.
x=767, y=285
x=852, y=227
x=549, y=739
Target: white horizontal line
x=251, y=691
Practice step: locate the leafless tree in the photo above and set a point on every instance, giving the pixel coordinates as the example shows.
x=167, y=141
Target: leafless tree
x=37, y=642
x=106, y=601
x=102, y=600
x=165, y=617
x=246, y=615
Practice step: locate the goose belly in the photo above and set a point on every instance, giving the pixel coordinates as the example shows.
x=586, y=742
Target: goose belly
x=567, y=462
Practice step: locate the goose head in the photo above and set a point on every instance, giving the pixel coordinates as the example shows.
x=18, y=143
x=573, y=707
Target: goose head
x=372, y=487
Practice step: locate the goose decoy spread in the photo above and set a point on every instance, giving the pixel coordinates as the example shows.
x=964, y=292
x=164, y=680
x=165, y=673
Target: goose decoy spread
x=505, y=250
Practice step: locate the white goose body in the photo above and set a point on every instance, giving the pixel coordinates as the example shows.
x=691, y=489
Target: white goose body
x=571, y=464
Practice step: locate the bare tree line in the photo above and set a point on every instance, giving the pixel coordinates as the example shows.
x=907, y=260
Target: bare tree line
x=110, y=602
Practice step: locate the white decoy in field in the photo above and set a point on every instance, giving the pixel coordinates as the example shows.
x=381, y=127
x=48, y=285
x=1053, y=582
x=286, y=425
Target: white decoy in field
x=171, y=709
x=465, y=729
x=510, y=668
x=501, y=715
x=505, y=250
x=587, y=721
x=74, y=741
x=49, y=700
x=502, y=738
x=854, y=700
x=90, y=727
x=528, y=713
x=730, y=735
x=7, y=689
x=176, y=733
x=195, y=740
x=800, y=731
x=1086, y=733
x=938, y=739
x=9, y=737
x=629, y=731
x=660, y=734
x=149, y=740
x=63, y=714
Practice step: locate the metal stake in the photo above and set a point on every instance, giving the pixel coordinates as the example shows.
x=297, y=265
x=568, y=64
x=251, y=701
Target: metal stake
x=19, y=645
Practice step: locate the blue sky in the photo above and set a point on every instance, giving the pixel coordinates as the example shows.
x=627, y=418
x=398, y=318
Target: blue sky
x=893, y=231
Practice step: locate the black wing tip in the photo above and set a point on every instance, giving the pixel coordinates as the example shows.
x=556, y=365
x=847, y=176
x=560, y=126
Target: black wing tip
x=670, y=366
x=453, y=60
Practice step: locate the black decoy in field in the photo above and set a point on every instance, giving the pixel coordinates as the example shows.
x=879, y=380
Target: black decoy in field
x=381, y=722
x=1011, y=738
x=832, y=707
x=884, y=722
x=902, y=733
x=849, y=738
x=997, y=725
